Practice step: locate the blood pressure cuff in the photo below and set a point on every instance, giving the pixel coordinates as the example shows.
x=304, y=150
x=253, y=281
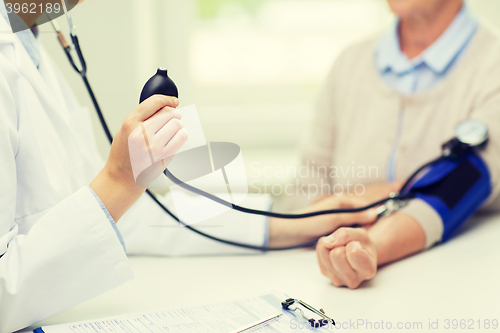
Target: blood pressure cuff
x=455, y=189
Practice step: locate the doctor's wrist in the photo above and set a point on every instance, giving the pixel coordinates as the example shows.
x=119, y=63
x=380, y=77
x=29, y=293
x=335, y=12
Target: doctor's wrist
x=117, y=192
x=290, y=232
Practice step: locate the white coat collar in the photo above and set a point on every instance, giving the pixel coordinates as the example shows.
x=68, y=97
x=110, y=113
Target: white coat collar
x=27, y=36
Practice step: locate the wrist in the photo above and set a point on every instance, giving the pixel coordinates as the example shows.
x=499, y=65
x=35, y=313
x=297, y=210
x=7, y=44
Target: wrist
x=381, y=240
x=289, y=232
x=282, y=232
x=119, y=176
x=117, y=193
x=395, y=237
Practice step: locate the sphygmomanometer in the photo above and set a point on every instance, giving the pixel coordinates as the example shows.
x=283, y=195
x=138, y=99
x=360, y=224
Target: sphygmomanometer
x=455, y=184
x=459, y=182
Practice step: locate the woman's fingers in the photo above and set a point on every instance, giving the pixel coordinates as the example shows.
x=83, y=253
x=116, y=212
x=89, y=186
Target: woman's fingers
x=341, y=266
x=326, y=267
x=347, y=256
x=320, y=256
x=342, y=236
x=361, y=260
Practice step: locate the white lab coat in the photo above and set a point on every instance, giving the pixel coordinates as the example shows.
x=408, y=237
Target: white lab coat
x=57, y=247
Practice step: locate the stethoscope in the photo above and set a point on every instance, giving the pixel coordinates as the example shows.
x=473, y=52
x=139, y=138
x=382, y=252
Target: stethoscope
x=464, y=140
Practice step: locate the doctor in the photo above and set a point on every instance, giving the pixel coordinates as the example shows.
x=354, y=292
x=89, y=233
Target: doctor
x=59, y=241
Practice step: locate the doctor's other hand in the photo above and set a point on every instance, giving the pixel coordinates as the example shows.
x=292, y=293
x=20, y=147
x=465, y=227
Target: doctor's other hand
x=347, y=257
x=148, y=137
x=378, y=191
x=289, y=232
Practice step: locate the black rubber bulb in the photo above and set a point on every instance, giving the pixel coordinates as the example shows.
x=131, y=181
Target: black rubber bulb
x=159, y=84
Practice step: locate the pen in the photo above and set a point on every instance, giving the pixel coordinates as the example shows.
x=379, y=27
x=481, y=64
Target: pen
x=258, y=325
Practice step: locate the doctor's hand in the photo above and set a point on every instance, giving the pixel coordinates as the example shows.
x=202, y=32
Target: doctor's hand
x=289, y=232
x=378, y=191
x=347, y=257
x=143, y=145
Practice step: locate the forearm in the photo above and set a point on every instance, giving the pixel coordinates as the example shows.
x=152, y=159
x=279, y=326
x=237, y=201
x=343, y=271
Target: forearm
x=396, y=236
x=285, y=232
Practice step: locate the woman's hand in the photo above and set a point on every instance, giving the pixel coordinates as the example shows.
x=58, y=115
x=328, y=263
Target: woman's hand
x=288, y=232
x=347, y=257
x=152, y=133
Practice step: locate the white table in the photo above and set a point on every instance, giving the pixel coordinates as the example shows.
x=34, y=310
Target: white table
x=458, y=280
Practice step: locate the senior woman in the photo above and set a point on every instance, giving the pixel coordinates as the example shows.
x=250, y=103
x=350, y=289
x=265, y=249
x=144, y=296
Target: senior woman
x=389, y=103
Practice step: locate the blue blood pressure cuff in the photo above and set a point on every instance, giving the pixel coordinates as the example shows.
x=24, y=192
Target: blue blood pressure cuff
x=455, y=189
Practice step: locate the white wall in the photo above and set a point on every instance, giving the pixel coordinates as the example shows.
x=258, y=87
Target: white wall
x=124, y=42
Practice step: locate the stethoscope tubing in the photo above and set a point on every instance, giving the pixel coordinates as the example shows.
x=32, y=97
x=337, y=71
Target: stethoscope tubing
x=83, y=73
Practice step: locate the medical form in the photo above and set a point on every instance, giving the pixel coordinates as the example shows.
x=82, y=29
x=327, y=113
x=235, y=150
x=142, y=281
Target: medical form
x=214, y=318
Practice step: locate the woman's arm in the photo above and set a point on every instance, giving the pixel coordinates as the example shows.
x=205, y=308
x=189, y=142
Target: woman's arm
x=350, y=256
x=395, y=237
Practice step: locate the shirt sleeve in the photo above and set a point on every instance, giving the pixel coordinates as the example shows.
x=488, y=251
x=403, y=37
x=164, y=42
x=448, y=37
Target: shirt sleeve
x=148, y=230
x=109, y=217
x=266, y=228
x=70, y=255
x=428, y=218
x=488, y=110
